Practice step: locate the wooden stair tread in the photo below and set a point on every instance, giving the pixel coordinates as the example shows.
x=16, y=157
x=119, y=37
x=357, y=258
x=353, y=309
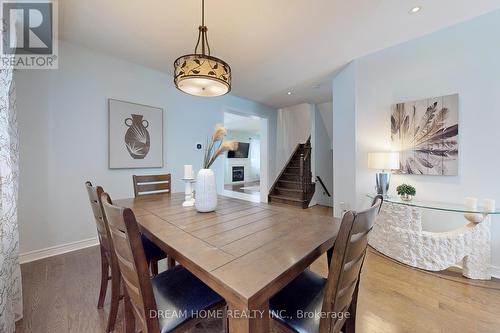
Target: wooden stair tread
x=289, y=189
x=290, y=181
x=284, y=197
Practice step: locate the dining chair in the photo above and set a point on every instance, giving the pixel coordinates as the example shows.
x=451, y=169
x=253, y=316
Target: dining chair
x=153, y=184
x=108, y=260
x=311, y=303
x=169, y=301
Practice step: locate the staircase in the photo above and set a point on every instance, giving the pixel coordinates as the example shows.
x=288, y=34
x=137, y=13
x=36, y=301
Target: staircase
x=294, y=185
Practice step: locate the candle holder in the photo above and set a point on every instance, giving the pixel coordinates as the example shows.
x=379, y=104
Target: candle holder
x=188, y=192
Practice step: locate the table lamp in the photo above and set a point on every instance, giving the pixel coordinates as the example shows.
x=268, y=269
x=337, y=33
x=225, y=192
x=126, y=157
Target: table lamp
x=383, y=161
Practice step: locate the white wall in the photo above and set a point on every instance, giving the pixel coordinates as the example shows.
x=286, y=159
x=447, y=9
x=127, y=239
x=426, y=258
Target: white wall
x=463, y=59
x=323, y=130
x=64, y=138
x=344, y=140
x=294, y=125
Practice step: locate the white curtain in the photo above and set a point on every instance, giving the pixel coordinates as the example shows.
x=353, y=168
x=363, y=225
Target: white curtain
x=10, y=271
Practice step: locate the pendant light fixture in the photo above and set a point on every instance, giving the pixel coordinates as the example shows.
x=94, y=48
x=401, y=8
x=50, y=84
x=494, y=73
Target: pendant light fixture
x=201, y=74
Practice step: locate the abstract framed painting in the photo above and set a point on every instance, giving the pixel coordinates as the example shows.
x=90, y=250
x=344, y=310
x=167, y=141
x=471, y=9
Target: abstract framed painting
x=135, y=135
x=425, y=132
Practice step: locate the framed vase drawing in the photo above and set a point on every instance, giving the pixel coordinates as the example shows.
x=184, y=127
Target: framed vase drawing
x=425, y=132
x=135, y=135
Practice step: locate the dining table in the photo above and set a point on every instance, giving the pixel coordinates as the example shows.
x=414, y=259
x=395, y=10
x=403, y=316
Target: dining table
x=245, y=251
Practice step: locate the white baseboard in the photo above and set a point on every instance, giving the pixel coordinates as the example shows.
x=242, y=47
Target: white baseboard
x=56, y=250
x=495, y=271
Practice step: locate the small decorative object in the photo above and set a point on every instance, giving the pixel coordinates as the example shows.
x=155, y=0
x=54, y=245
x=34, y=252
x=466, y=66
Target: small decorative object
x=135, y=135
x=188, y=171
x=471, y=206
x=426, y=133
x=383, y=161
x=489, y=205
x=188, y=189
x=407, y=192
x=206, y=187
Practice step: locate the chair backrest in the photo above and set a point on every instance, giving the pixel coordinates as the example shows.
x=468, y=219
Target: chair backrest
x=151, y=184
x=134, y=269
x=94, y=193
x=348, y=256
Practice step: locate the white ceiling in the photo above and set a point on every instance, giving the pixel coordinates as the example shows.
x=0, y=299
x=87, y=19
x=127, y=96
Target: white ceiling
x=235, y=122
x=273, y=46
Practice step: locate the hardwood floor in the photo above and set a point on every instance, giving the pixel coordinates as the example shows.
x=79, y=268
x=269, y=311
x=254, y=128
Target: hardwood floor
x=60, y=295
x=247, y=187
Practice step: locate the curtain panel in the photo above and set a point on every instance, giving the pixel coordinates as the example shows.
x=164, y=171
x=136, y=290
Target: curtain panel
x=10, y=271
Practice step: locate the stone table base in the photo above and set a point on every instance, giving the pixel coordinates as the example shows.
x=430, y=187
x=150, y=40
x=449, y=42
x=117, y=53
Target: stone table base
x=398, y=234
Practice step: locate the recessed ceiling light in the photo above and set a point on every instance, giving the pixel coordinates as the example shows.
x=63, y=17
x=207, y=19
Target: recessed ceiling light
x=415, y=9
x=316, y=86
x=289, y=93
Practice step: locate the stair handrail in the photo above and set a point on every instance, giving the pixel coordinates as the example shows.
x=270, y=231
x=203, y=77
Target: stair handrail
x=323, y=185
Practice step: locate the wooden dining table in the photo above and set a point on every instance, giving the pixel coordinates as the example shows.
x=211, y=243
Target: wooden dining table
x=245, y=251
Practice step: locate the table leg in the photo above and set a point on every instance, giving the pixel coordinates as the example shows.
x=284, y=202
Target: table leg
x=249, y=320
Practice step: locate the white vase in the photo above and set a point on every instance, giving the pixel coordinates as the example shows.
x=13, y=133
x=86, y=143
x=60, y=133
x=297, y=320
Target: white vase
x=206, y=191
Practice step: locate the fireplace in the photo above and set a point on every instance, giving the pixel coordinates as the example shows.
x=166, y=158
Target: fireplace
x=238, y=173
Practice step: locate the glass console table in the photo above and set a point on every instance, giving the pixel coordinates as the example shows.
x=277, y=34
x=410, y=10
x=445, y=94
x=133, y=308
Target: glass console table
x=398, y=234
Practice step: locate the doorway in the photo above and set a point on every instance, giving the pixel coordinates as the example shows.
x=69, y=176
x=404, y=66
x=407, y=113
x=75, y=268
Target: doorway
x=245, y=171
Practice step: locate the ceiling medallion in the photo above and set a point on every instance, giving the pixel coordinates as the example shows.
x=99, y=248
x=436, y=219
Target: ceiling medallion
x=201, y=74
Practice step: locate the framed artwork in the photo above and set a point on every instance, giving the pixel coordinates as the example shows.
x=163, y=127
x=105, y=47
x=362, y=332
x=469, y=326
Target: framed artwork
x=426, y=134
x=135, y=135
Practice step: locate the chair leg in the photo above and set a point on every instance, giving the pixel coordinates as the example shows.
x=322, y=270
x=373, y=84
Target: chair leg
x=154, y=266
x=129, y=315
x=225, y=321
x=171, y=262
x=104, y=279
x=350, y=324
x=115, y=298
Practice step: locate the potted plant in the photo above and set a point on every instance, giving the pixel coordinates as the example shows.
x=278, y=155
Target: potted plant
x=407, y=192
x=206, y=188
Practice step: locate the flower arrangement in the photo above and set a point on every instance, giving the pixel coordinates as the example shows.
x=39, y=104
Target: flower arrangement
x=406, y=191
x=212, y=150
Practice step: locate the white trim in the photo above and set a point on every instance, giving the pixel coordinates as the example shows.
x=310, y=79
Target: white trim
x=56, y=250
x=495, y=271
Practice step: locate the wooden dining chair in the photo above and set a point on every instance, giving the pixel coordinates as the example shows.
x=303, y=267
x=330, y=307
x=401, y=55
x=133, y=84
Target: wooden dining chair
x=151, y=184
x=108, y=260
x=336, y=297
x=109, y=263
x=149, y=302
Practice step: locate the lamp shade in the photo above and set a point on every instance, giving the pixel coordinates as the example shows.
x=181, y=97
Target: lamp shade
x=383, y=160
x=202, y=75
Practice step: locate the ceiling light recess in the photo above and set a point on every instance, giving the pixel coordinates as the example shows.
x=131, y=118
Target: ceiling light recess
x=201, y=74
x=415, y=10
